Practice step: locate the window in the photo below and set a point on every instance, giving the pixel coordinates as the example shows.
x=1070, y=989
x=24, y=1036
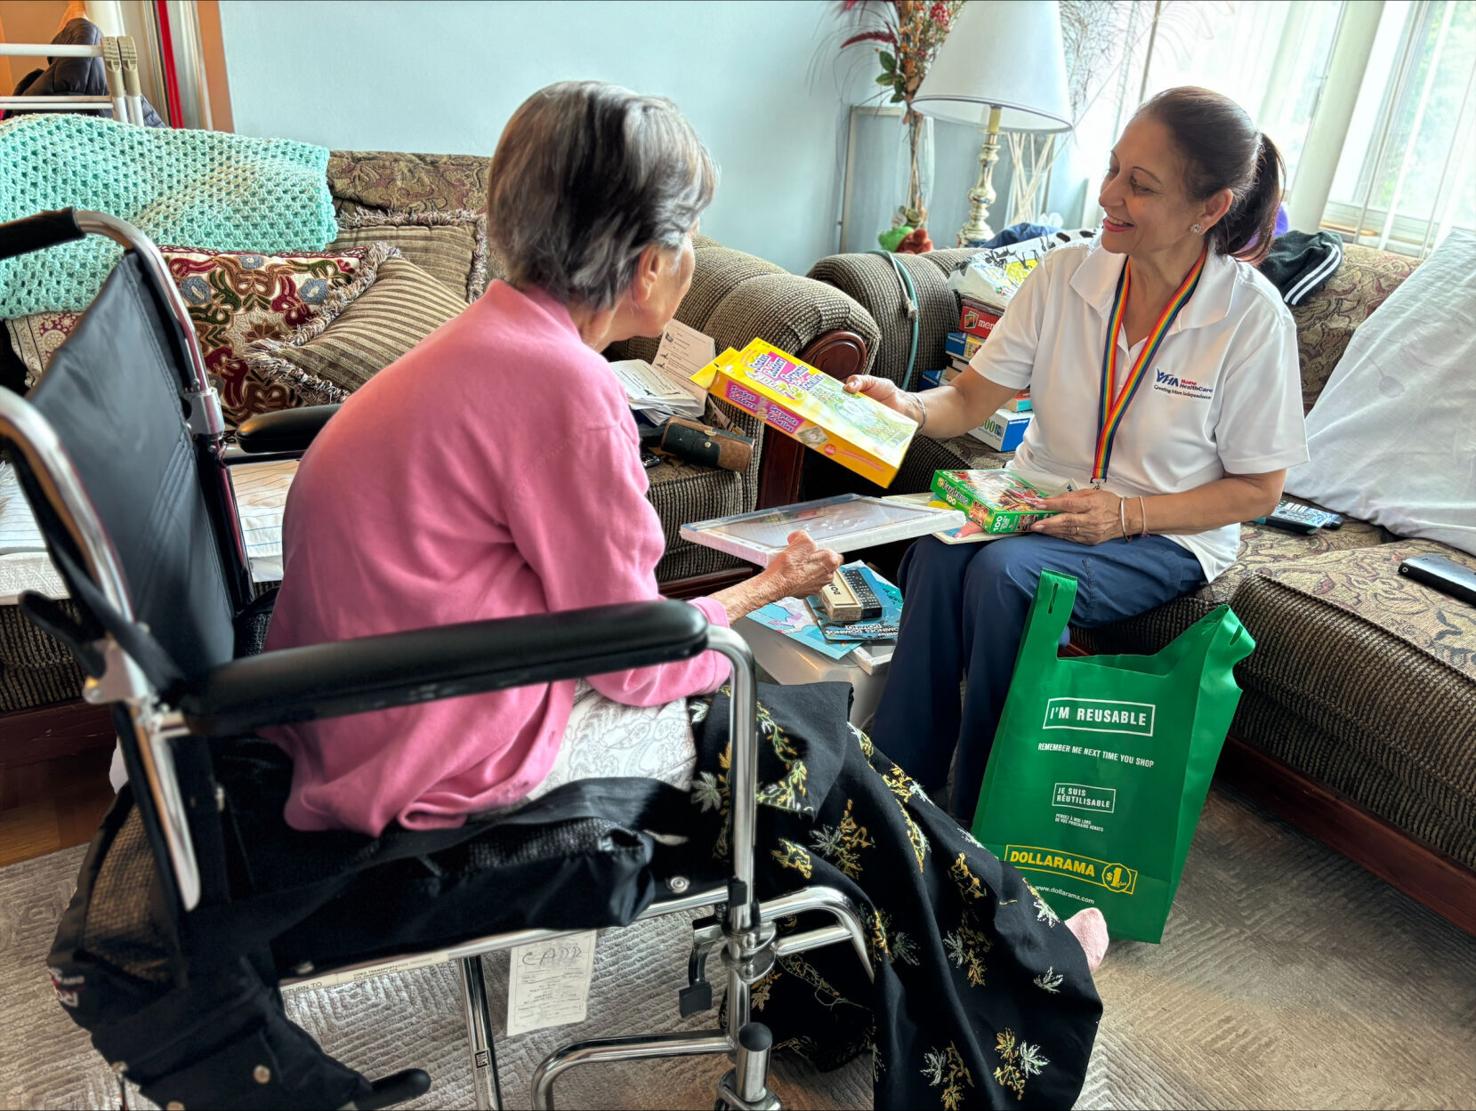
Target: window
x=1270, y=56
x=1407, y=174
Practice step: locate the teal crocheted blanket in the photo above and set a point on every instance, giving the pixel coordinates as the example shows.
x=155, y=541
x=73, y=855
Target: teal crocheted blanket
x=180, y=188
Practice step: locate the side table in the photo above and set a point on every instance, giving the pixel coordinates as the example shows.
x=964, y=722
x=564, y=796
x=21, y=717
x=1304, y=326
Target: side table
x=786, y=661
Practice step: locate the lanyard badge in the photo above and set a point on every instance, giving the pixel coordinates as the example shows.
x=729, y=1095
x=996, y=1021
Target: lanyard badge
x=1115, y=400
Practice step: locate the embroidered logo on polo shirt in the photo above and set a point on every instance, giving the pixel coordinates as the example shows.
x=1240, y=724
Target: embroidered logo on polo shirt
x=1183, y=387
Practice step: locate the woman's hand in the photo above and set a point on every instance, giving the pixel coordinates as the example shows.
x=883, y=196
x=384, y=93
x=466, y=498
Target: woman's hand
x=802, y=568
x=1084, y=516
x=885, y=391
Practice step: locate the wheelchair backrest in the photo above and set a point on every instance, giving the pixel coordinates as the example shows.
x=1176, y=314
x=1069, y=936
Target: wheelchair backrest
x=113, y=394
x=139, y=518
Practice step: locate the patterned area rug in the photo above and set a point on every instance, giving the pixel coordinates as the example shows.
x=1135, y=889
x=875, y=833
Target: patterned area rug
x=1288, y=977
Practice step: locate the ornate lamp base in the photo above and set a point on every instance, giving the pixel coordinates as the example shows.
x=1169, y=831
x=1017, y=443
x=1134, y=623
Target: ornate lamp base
x=976, y=229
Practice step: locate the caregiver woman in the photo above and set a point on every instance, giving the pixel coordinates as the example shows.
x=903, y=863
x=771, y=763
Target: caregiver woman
x=1163, y=375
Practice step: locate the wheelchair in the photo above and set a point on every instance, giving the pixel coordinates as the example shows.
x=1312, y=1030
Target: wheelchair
x=196, y=904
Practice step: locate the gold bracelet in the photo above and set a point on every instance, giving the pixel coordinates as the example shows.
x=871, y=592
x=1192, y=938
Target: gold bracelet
x=1142, y=517
x=1122, y=518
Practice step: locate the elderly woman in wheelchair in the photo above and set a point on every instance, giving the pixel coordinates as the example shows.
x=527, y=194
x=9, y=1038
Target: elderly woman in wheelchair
x=466, y=538
x=495, y=471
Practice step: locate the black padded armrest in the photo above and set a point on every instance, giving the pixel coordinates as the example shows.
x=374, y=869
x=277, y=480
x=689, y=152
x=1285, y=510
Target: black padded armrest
x=423, y=665
x=287, y=430
x=36, y=233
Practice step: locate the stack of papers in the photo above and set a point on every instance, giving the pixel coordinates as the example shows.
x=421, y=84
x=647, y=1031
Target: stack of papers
x=261, y=497
x=658, y=393
x=663, y=387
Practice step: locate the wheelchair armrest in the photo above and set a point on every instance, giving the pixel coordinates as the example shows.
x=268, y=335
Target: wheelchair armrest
x=35, y=233
x=423, y=665
x=286, y=430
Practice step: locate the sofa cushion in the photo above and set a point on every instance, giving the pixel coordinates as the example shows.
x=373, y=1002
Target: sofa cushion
x=400, y=182
x=1366, y=583
x=1326, y=320
x=684, y=492
x=717, y=273
x=449, y=246
x=1381, y=673
x=337, y=352
x=234, y=300
x=870, y=280
x=1260, y=548
x=35, y=337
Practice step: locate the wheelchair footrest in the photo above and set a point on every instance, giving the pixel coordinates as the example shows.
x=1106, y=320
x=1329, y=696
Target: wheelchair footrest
x=396, y=1088
x=695, y=999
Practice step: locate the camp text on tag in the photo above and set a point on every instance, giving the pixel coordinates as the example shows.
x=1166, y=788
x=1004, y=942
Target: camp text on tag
x=548, y=983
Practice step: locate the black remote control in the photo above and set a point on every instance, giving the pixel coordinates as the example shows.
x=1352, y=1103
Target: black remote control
x=1292, y=516
x=1444, y=575
x=871, y=607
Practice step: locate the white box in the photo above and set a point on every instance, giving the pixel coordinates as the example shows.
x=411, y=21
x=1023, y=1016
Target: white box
x=787, y=661
x=1004, y=430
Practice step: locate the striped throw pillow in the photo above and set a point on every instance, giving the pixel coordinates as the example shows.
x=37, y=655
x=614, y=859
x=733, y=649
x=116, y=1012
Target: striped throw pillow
x=331, y=356
x=449, y=246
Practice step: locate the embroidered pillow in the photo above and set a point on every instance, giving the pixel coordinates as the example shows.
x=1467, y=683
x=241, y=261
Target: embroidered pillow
x=450, y=246
x=407, y=182
x=36, y=337
x=340, y=349
x=234, y=300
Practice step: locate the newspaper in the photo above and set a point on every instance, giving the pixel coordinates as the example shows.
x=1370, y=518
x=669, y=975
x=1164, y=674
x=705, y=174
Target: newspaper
x=664, y=387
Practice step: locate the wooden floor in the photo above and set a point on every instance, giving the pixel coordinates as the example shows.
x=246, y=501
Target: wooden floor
x=53, y=779
x=52, y=804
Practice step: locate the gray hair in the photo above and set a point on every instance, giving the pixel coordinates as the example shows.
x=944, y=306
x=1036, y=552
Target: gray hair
x=585, y=177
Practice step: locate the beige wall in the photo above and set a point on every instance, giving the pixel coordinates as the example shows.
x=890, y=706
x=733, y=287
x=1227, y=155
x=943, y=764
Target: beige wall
x=29, y=21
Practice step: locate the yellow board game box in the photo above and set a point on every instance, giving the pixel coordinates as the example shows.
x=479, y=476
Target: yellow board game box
x=810, y=406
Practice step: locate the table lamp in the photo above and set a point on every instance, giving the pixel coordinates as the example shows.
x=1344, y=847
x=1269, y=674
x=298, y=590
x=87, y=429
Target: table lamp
x=1001, y=67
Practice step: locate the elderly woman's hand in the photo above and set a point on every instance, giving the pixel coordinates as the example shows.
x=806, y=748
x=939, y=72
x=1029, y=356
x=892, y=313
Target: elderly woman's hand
x=802, y=568
x=1084, y=516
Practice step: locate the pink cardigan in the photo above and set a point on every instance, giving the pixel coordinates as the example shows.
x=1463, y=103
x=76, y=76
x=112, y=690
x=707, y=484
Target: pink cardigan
x=493, y=471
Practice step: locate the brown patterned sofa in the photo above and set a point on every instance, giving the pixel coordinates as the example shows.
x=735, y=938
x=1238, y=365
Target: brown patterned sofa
x=429, y=207
x=1358, y=721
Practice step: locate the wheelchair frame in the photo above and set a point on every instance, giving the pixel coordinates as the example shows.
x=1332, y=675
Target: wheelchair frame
x=744, y=934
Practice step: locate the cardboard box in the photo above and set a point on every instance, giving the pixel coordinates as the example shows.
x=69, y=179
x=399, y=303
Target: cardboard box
x=962, y=344
x=999, y=502
x=976, y=320
x=810, y=406
x=1004, y=430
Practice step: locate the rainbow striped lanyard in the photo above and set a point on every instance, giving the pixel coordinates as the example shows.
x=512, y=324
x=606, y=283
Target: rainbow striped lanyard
x=1114, y=405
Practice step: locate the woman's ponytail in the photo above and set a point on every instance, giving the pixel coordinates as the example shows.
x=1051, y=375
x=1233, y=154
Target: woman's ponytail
x=1250, y=224
x=1223, y=150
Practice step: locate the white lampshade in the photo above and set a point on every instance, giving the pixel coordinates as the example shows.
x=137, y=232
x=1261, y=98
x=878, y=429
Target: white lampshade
x=1004, y=54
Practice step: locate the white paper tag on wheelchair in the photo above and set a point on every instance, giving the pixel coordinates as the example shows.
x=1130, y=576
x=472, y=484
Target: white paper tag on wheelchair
x=548, y=983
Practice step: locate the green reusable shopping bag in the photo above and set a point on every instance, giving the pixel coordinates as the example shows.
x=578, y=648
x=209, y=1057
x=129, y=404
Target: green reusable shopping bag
x=1101, y=764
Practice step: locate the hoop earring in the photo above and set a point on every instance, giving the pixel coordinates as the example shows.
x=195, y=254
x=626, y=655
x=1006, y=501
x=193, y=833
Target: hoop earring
x=1196, y=229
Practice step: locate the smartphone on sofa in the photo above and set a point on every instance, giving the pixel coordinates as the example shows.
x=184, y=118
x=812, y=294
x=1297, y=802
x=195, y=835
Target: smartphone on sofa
x=1442, y=574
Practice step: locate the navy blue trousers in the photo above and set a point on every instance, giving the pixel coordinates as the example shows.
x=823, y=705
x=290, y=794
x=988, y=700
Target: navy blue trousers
x=963, y=614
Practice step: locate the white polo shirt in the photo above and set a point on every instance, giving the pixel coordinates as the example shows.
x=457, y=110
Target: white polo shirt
x=1223, y=396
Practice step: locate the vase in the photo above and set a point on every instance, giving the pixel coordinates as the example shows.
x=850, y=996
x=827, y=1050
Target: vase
x=914, y=173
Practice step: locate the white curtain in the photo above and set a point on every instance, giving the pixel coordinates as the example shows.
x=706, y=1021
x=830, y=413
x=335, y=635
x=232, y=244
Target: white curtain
x=1270, y=56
